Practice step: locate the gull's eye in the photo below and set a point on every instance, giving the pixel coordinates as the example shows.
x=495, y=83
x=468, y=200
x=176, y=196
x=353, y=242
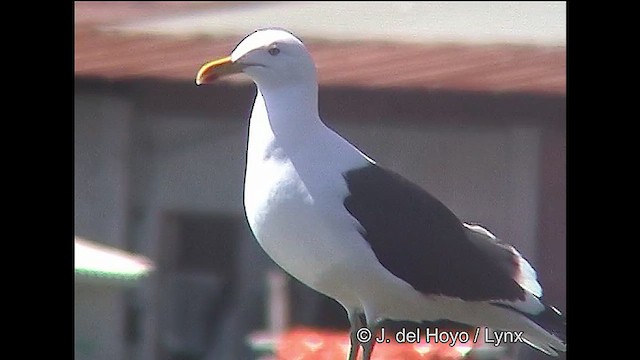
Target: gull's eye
x=273, y=51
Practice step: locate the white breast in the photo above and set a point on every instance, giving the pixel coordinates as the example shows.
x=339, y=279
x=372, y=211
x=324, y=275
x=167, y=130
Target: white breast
x=294, y=205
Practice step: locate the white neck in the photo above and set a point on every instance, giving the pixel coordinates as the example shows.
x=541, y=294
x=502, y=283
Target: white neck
x=286, y=118
x=292, y=109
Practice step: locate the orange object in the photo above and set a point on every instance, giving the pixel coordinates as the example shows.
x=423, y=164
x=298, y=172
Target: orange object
x=312, y=344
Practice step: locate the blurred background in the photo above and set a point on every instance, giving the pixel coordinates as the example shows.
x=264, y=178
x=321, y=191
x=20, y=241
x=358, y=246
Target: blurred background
x=467, y=100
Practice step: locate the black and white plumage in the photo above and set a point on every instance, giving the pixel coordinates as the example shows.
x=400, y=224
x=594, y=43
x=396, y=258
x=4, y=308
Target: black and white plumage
x=354, y=231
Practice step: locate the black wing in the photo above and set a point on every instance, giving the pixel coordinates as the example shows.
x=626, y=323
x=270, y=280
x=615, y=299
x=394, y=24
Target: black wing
x=422, y=242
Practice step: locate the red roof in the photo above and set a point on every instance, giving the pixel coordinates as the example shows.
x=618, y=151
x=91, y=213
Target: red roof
x=493, y=68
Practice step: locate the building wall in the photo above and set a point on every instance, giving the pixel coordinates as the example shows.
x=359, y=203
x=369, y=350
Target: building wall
x=101, y=172
x=101, y=144
x=144, y=151
x=98, y=322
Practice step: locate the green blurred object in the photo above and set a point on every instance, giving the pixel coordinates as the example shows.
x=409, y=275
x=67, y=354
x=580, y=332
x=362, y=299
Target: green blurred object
x=99, y=263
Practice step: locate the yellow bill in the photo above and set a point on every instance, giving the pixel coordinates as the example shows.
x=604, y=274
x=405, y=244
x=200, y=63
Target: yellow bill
x=215, y=69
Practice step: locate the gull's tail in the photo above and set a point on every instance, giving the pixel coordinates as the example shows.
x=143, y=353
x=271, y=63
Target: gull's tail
x=550, y=324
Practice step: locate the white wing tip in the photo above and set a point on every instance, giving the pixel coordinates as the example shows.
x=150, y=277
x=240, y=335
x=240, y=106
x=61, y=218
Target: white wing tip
x=479, y=229
x=527, y=277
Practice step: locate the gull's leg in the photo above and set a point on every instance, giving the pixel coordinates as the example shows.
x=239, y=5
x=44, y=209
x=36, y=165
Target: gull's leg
x=367, y=349
x=357, y=321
